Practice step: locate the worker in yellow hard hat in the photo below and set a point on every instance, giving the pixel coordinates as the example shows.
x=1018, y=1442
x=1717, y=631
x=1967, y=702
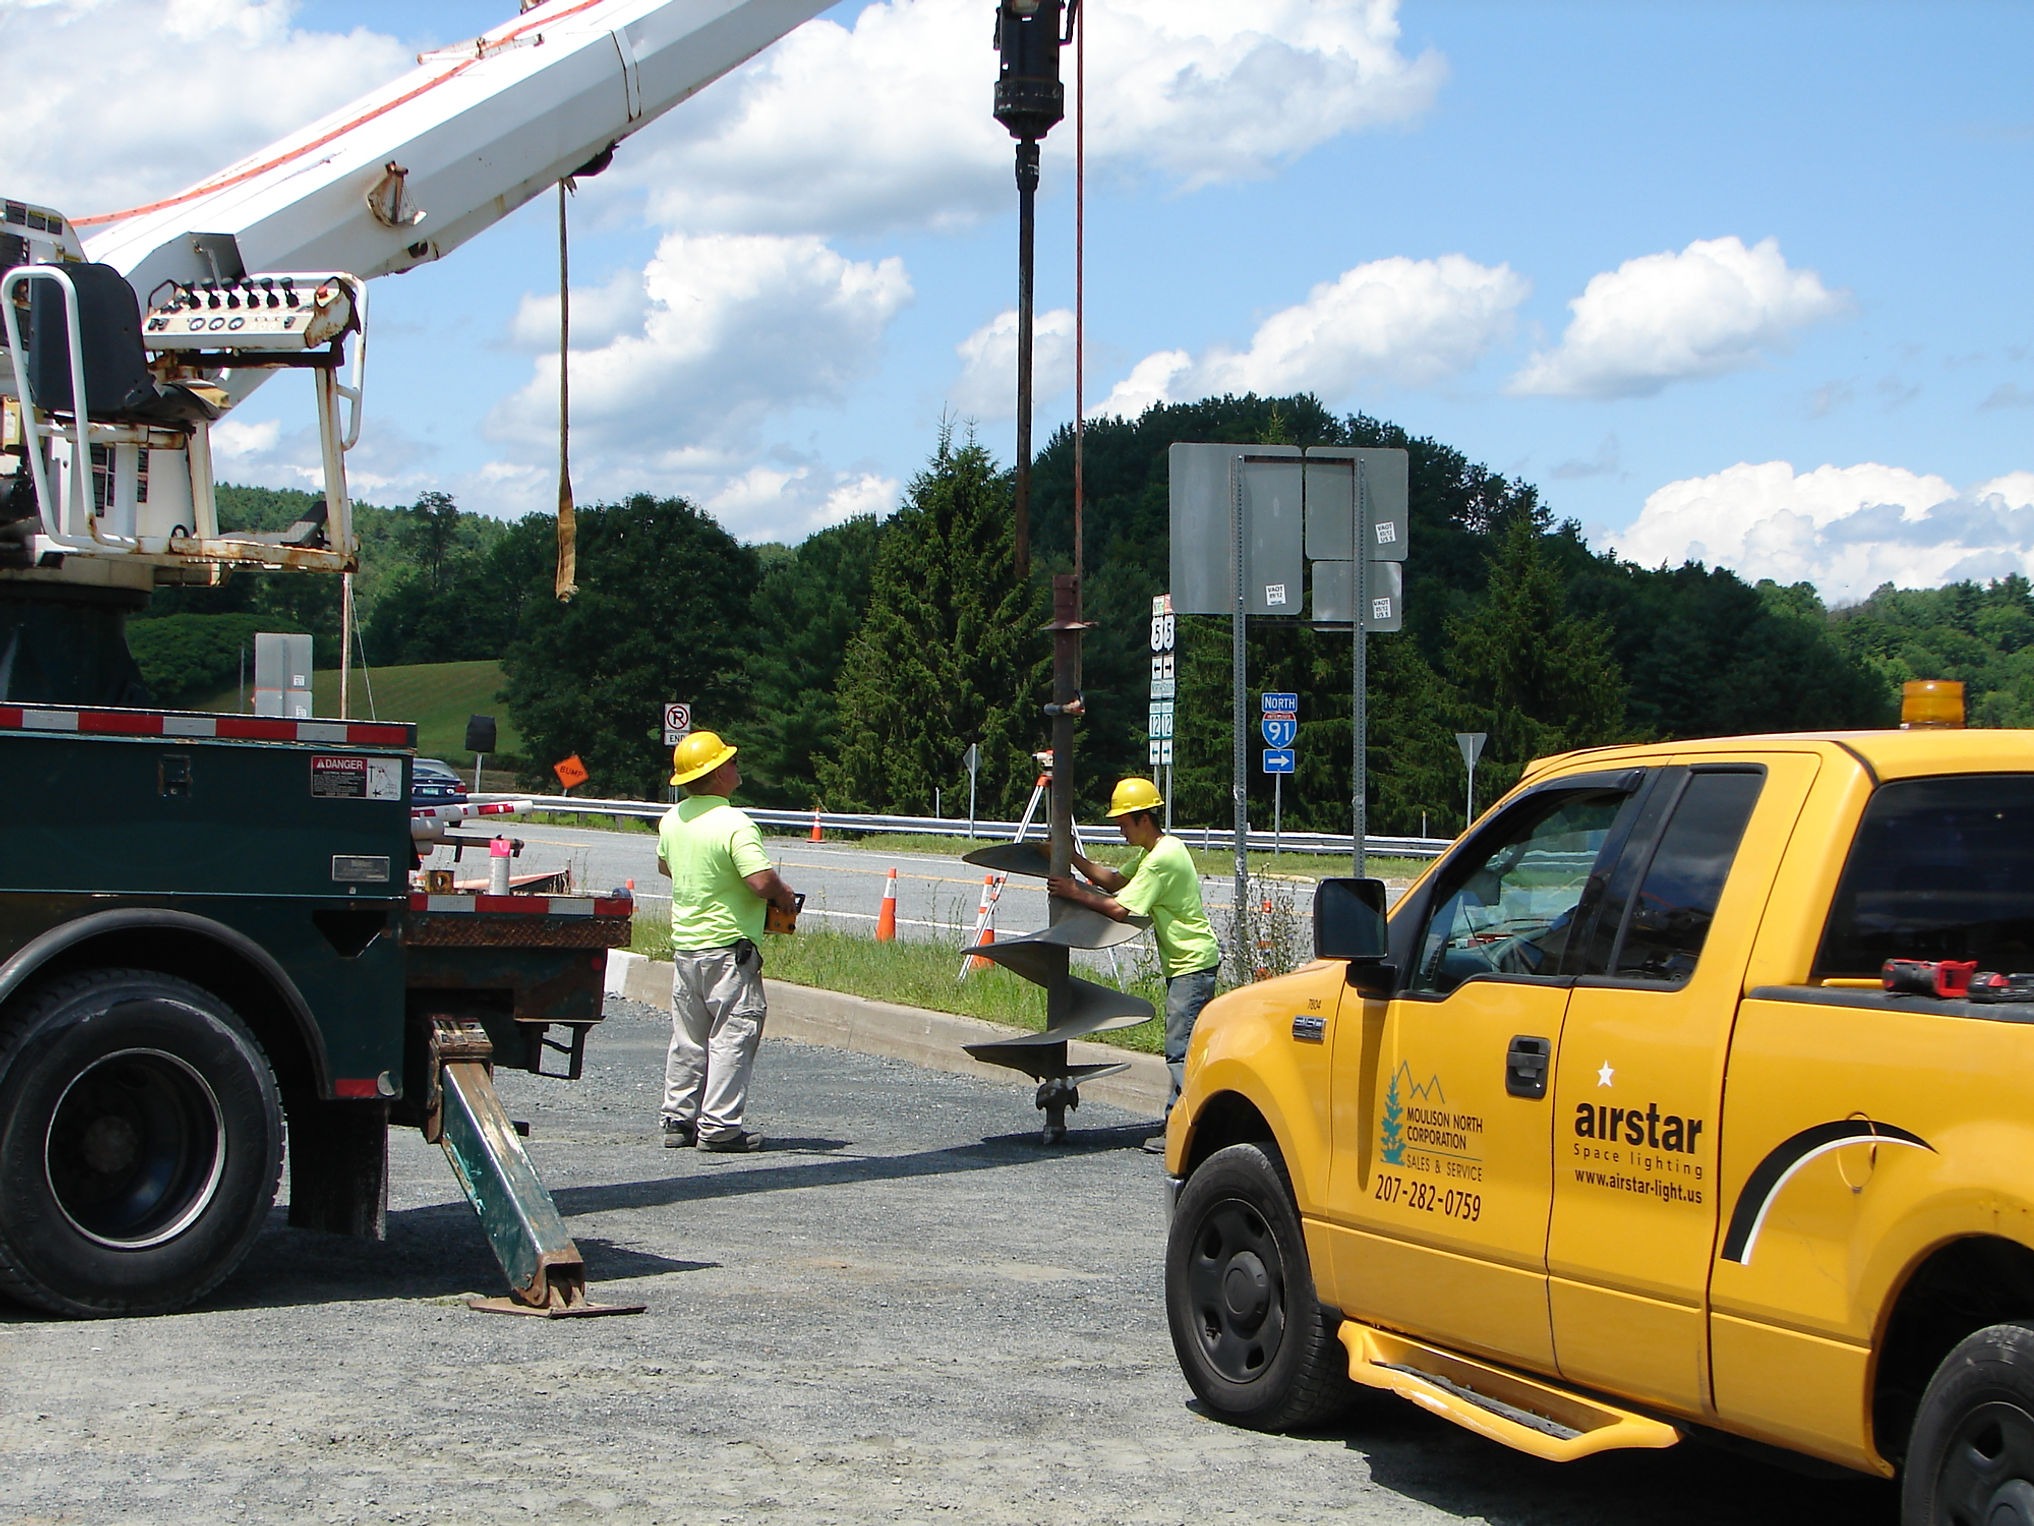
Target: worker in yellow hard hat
x=1158, y=881
x=721, y=881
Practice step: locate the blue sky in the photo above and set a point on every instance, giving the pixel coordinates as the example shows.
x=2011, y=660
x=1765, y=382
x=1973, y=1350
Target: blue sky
x=1744, y=282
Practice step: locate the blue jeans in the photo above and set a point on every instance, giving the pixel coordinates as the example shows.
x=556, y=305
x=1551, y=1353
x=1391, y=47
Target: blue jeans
x=1185, y=995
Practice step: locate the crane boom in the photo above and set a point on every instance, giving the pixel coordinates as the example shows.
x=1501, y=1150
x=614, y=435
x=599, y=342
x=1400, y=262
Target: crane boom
x=411, y=171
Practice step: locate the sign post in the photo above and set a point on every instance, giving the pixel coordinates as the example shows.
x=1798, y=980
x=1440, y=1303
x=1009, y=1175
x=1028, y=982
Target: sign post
x=973, y=762
x=1164, y=691
x=1471, y=743
x=1280, y=729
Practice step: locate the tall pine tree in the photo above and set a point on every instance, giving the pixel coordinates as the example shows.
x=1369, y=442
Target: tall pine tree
x=948, y=655
x=1533, y=676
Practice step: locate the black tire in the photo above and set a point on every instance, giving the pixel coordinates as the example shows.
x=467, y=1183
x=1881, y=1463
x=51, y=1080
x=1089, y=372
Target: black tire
x=140, y=1144
x=1970, y=1461
x=1251, y=1339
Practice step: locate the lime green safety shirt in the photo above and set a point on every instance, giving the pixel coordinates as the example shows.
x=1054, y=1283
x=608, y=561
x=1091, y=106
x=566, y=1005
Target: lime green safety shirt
x=1165, y=887
x=711, y=849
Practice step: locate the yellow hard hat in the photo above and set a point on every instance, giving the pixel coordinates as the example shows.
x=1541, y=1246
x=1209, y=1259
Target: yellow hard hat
x=698, y=754
x=1134, y=795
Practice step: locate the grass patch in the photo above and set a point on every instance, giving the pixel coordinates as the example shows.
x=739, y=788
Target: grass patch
x=437, y=696
x=924, y=975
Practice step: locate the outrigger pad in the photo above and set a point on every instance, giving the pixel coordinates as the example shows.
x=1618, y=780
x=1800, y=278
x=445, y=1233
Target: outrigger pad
x=1011, y=858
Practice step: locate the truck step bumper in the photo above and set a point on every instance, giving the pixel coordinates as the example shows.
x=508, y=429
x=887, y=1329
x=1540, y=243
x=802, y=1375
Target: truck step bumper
x=1527, y=1414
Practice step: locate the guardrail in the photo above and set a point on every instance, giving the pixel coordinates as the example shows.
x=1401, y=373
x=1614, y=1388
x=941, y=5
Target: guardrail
x=1210, y=839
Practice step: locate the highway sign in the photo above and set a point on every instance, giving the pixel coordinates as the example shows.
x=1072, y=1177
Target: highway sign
x=1161, y=752
x=677, y=722
x=1280, y=731
x=1279, y=704
x=1279, y=760
x=1161, y=719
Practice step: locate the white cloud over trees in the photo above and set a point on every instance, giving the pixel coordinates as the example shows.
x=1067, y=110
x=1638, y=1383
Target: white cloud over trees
x=1846, y=529
x=1716, y=306
x=1391, y=322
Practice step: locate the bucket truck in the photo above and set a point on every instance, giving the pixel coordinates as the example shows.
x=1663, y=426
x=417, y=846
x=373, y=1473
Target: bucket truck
x=209, y=924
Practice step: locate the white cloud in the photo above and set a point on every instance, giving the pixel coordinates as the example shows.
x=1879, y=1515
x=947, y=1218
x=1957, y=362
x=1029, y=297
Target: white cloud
x=1392, y=322
x=887, y=123
x=733, y=328
x=119, y=101
x=233, y=441
x=788, y=502
x=986, y=389
x=1847, y=529
x=1714, y=307
x=600, y=314
x=1153, y=380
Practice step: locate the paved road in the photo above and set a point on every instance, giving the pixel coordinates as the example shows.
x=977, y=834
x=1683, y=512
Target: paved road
x=937, y=894
x=905, y=1311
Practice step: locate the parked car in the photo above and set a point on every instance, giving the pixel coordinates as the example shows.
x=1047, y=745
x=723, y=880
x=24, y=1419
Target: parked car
x=435, y=783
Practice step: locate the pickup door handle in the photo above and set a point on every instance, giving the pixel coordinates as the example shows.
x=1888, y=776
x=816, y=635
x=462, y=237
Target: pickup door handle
x=1525, y=1066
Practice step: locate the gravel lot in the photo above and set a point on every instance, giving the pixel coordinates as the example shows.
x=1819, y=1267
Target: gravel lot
x=905, y=1310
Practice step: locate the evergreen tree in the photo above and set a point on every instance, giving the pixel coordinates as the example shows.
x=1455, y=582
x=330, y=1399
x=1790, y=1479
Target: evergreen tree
x=1535, y=677
x=948, y=655
x=663, y=613
x=810, y=603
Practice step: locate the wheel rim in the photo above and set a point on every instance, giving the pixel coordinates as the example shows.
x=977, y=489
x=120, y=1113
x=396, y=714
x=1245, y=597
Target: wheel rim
x=1987, y=1468
x=1237, y=1283
x=135, y=1149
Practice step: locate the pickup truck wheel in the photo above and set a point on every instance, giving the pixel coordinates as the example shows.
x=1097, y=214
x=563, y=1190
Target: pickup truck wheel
x=140, y=1144
x=1971, y=1458
x=1239, y=1296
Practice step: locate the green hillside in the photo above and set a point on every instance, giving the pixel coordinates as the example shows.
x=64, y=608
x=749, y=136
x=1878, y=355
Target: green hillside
x=438, y=696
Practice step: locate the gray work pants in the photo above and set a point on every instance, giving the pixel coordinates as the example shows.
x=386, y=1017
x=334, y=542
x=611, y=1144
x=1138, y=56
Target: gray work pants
x=717, y=1015
x=1185, y=995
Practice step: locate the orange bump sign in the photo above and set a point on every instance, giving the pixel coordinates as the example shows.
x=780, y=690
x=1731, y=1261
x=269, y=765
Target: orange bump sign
x=570, y=772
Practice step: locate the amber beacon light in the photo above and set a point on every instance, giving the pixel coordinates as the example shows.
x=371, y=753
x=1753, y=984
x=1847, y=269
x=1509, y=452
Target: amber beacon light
x=1931, y=704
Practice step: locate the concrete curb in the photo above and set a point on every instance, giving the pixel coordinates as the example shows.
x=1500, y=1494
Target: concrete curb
x=808, y=1015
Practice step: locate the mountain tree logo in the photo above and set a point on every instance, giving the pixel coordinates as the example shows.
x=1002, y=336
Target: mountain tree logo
x=1391, y=1140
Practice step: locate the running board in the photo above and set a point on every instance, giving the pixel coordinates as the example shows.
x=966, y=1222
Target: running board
x=546, y=1274
x=1523, y=1413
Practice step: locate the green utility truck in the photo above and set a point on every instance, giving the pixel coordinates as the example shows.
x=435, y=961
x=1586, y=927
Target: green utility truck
x=208, y=932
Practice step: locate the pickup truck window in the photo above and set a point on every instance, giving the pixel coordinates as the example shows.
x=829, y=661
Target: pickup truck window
x=1677, y=899
x=1940, y=869
x=1509, y=911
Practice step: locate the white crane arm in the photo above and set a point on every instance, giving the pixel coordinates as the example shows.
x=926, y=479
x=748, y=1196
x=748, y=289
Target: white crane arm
x=411, y=171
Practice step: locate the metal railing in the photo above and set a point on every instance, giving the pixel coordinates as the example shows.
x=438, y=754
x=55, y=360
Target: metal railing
x=1208, y=838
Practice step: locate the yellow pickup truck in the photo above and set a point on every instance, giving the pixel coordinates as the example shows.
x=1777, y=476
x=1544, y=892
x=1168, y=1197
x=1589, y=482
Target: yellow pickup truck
x=1612, y=1134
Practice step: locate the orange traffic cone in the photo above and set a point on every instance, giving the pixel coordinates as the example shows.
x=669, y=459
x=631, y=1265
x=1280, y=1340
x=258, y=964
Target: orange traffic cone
x=986, y=916
x=886, y=919
x=817, y=836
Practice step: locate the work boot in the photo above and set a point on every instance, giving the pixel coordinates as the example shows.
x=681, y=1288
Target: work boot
x=740, y=1142
x=680, y=1135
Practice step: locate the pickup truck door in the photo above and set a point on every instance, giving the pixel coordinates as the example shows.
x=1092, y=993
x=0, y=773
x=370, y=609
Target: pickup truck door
x=1438, y=1189
x=1637, y=1105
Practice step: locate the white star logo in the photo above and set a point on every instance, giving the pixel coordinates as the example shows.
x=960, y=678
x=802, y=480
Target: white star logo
x=1603, y=1075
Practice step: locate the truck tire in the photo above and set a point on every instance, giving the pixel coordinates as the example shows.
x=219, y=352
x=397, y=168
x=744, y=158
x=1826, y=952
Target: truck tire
x=1254, y=1344
x=140, y=1144
x=1971, y=1457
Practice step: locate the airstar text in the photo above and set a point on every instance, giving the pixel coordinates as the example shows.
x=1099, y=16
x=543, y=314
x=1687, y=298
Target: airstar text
x=1651, y=1128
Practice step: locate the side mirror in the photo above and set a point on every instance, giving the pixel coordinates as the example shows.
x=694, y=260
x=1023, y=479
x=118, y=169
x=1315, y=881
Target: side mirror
x=1349, y=924
x=1349, y=919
